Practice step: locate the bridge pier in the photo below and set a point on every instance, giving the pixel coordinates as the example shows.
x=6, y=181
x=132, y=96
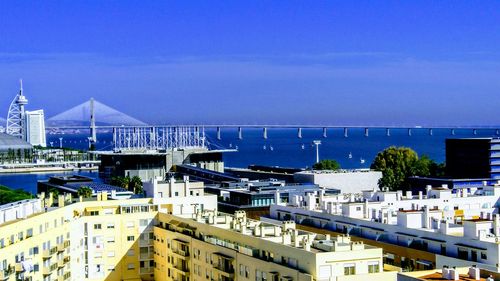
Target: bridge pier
x=345, y=133
x=430, y=132
x=452, y=132
x=409, y=132
x=218, y=134
x=388, y=132
x=497, y=132
x=240, y=133
x=299, y=133
x=366, y=132
x=324, y=132
x=474, y=131
x=264, y=133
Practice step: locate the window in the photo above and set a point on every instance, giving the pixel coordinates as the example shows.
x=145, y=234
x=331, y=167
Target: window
x=110, y=239
x=97, y=226
x=29, y=232
x=130, y=224
x=373, y=267
x=349, y=269
x=130, y=253
x=94, y=213
x=484, y=256
x=130, y=238
x=111, y=254
x=111, y=225
x=143, y=222
x=130, y=266
x=176, y=193
x=358, y=208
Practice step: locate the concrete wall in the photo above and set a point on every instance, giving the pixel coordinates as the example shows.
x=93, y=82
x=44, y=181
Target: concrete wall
x=346, y=182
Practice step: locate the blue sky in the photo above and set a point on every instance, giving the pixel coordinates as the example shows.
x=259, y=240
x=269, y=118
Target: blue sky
x=291, y=62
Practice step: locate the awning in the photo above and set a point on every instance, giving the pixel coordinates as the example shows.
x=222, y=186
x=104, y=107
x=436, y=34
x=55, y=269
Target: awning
x=426, y=263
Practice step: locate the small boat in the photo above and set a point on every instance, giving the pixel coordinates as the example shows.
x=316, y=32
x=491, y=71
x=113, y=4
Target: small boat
x=303, y=146
x=350, y=155
x=264, y=147
x=231, y=145
x=236, y=147
x=362, y=160
x=271, y=148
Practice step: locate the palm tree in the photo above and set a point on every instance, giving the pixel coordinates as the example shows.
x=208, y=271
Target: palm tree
x=135, y=185
x=84, y=191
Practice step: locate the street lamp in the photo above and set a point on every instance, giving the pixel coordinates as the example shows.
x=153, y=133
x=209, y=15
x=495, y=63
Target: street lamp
x=317, y=143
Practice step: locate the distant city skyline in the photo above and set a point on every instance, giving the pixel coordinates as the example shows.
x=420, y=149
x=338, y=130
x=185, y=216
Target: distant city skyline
x=347, y=63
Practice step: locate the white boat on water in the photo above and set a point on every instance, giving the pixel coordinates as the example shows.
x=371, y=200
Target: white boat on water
x=303, y=146
x=264, y=147
x=271, y=148
x=350, y=155
x=362, y=161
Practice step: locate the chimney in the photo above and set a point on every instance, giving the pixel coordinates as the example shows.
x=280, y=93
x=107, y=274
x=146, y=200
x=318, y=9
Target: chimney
x=426, y=217
x=277, y=199
x=409, y=195
x=420, y=195
x=474, y=272
x=454, y=274
x=445, y=272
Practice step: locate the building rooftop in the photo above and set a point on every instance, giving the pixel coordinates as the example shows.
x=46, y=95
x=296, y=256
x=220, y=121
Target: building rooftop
x=10, y=142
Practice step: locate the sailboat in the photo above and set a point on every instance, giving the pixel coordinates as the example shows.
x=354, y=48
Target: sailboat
x=350, y=155
x=264, y=147
x=271, y=148
x=362, y=161
x=303, y=146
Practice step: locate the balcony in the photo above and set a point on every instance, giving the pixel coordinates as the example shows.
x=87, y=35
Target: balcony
x=145, y=243
x=49, y=252
x=66, y=259
x=64, y=277
x=62, y=246
x=223, y=265
x=146, y=256
x=5, y=274
x=183, y=269
x=181, y=253
x=46, y=270
x=146, y=270
x=19, y=267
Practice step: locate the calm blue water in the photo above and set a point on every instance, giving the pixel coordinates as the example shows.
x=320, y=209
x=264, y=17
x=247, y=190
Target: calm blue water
x=28, y=181
x=287, y=148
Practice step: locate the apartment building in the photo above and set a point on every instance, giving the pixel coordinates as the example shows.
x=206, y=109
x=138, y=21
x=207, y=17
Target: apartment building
x=454, y=228
x=158, y=239
x=221, y=247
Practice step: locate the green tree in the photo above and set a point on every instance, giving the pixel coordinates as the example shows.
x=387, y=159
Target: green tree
x=54, y=192
x=8, y=195
x=327, y=164
x=136, y=185
x=84, y=191
x=396, y=165
x=122, y=182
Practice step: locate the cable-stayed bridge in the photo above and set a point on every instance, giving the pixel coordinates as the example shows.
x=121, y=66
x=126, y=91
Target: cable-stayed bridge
x=80, y=116
x=94, y=115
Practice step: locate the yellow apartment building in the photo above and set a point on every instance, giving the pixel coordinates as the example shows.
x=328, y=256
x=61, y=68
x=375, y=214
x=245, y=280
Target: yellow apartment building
x=139, y=239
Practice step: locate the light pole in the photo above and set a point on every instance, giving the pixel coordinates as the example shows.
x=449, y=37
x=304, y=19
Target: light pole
x=60, y=142
x=317, y=143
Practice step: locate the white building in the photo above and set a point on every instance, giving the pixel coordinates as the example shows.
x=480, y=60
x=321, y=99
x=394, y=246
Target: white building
x=347, y=181
x=35, y=128
x=459, y=228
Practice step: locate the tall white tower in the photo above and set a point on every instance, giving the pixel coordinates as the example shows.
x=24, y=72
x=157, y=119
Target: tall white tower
x=35, y=127
x=15, y=117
